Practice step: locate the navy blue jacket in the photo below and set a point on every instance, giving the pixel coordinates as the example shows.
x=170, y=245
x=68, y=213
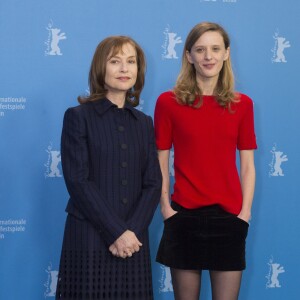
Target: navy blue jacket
x=110, y=166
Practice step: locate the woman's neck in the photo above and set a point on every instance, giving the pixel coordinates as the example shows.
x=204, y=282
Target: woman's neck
x=207, y=85
x=117, y=99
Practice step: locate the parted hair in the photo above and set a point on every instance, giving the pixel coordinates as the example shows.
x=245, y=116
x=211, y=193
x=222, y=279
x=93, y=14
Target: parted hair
x=106, y=49
x=186, y=88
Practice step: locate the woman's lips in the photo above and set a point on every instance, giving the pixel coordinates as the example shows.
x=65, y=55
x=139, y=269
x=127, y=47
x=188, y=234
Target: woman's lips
x=123, y=78
x=208, y=66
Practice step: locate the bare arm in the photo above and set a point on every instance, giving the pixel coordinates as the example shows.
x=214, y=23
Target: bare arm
x=166, y=209
x=247, y=174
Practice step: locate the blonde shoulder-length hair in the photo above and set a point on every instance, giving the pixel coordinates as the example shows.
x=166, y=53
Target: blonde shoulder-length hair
x=106, y=49
x=186, y=89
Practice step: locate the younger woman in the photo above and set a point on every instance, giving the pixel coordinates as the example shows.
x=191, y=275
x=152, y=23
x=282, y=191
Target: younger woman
x=205, y=120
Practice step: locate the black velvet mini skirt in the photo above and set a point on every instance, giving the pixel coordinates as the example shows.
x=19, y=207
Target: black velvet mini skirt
x=207, y=238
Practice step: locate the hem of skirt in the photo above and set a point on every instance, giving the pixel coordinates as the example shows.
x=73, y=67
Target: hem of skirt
x=202, y=266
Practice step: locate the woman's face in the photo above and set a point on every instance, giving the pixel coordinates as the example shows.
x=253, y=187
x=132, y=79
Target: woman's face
x=121, y=71
x=208, y=55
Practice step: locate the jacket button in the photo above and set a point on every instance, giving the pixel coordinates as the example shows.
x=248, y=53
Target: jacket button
x=124, y=200
x=121, y=128
x=124, y=146
x=124, y=182
x=124, y=164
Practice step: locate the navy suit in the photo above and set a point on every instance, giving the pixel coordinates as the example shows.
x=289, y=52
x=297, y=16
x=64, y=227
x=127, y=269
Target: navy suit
x=112, y=174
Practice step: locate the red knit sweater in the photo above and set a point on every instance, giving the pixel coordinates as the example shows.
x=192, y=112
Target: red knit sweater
x=205, y=142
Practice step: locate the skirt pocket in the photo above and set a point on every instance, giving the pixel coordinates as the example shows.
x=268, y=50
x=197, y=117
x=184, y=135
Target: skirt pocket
x=241, y=228
x=171, y=218
x=242, y=221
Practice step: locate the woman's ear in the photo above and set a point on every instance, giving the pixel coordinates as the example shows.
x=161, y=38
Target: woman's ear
x=189, y=57
x=227, y=53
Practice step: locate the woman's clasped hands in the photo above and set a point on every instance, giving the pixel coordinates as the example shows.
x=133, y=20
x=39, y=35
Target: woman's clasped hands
x=126, y=245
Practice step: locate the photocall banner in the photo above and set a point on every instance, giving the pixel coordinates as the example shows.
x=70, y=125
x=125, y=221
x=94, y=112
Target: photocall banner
x=45, y=55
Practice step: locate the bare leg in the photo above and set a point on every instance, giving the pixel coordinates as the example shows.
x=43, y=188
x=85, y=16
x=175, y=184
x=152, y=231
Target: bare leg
x=186, y=284
x=225, y=285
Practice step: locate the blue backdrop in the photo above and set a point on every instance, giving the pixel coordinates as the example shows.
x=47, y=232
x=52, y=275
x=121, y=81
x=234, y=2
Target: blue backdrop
x=45, y=54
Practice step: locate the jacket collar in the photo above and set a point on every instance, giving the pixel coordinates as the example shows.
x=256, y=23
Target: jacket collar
x=103, y=105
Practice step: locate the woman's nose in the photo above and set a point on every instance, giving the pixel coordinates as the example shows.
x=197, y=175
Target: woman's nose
x=208, y=54
x=124, y=67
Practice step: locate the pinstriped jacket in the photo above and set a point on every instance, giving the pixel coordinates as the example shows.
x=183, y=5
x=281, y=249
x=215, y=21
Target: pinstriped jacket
x=110, y=167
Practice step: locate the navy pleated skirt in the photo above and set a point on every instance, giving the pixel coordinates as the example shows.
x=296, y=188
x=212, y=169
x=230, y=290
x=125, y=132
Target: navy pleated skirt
x=207, y=238
x=89, y=271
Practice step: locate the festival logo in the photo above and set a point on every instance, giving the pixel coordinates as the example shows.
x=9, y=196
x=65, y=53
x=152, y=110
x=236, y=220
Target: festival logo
x=12, y=226
x=53, y=161
x=11, y=104
x=141, y=105
x=50, y=284
x=171, y=163
x=165, y=280
x=274, y=270
x=54, y=37
x=277, y=159
x=171, y=40
x=280, y=45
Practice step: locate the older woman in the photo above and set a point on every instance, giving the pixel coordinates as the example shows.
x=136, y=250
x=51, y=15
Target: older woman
x=113, y=177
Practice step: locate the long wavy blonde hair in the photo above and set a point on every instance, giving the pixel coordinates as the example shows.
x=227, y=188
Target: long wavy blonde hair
x=187, y=89
x=109, y=47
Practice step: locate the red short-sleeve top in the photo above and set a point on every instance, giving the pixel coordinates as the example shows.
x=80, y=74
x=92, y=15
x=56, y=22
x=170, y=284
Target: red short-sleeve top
x=205, y=140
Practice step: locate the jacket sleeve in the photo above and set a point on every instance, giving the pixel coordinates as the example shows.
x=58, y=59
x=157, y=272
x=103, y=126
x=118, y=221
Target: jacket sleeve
x=84, y=193
x=151, y=187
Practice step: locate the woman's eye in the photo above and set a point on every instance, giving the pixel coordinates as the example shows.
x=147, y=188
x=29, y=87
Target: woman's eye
x=114, y=61
x=200, y=50
x=132, y=61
